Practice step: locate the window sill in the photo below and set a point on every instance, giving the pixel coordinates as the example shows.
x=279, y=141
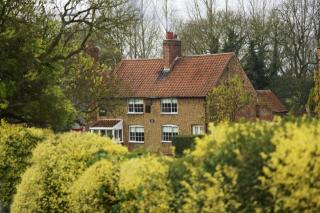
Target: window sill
x=138, y=142
x=135, y=113
x=166, y=141
x=168, y=113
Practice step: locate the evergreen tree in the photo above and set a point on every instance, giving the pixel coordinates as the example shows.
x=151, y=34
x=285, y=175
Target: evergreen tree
x=317, y=86
x=255, y=66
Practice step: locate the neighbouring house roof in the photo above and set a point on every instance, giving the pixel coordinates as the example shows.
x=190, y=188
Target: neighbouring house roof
x=105, y=123
x=191, y=76
x=268, y=98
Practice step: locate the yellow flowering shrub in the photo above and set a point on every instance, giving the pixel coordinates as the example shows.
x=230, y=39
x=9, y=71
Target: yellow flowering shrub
x=143, y=185
x=239, y=167
x=95, y=190
x=56, y=164
x=210, y=193
x=232, y=151
x=16, y=145
x=292, y=172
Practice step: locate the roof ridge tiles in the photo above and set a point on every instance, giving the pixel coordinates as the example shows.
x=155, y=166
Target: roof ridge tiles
x=141, y=59
x=213, y=54
x=185, y=56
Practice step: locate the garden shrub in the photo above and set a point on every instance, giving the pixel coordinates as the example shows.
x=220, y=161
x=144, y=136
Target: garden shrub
x=205, y=192
x=182, y=143
x=56, y=164
x=178, y=171
x=143, y=185
x=239, y=167
x=96, y=189
x=237, y=148
x=292, y=172
x=16, y=145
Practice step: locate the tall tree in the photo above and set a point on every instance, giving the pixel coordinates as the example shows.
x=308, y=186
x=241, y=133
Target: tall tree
x=36, y=39
x=143, y=41
x=298, y=43
x=201, y=35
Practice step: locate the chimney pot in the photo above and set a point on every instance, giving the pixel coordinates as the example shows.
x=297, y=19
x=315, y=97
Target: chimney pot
x=169, y=36
x=318, y=59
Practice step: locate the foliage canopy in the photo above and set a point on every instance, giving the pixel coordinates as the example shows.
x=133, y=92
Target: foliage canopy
x=225, y=101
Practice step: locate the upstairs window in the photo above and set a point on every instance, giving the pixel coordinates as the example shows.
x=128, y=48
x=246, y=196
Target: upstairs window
x=135, y=106
x=169, y=106
x=136, y=134
x=197, y=130
x=168, y=132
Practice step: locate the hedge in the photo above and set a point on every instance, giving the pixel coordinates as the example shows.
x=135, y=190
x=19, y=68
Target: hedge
x=182, y=143
x=16, y=145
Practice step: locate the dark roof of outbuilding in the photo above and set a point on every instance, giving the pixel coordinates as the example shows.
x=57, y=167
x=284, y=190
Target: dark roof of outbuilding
x=105, y=123
x=191, y=76
x=268, y=98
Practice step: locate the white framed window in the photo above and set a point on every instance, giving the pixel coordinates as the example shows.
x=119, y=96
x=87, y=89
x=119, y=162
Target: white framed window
x=135, y=106
x=118, y=135
x=169, y=131
x=136, y=134
x=169, y=106
x=197, y=129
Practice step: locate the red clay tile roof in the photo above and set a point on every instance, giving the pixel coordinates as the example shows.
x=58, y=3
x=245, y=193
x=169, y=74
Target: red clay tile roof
x=105, y=123
x=192, y=76
x=268, y=98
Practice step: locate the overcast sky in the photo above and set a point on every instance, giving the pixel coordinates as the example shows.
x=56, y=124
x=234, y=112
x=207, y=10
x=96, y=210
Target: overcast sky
x=181, y=5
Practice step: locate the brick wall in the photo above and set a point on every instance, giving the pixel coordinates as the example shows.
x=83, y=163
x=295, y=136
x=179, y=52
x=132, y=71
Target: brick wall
x=264, y=113
x=191, y=111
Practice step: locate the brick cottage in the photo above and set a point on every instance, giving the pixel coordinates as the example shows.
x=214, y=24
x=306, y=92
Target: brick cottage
x=165, y=97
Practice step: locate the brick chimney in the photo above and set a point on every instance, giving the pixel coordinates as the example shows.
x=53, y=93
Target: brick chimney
x=318, y=58
x=171, y=50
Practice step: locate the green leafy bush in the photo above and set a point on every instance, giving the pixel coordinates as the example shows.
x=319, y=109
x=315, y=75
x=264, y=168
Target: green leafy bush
x=143, y=185
x=182, y=143
x=179, y=173
x=56, y=164
x=16, y=145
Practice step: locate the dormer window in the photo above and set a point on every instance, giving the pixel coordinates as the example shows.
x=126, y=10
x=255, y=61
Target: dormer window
x=169, y=106
x=135, y=106
x=166, y=70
